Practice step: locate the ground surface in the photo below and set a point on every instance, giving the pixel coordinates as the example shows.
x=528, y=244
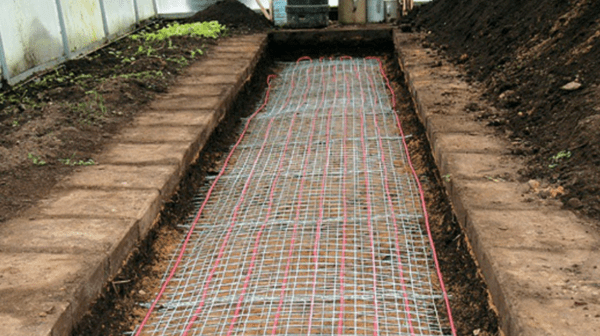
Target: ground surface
x=525, y=52
x=60, y=120
x=119, y=310
x=64, y=118
x=290, y=164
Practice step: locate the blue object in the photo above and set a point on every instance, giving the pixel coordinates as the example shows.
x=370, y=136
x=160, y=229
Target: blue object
x=279, y=14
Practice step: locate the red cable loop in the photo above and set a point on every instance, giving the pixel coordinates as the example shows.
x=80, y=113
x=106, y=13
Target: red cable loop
x=235, y=214
x=269, y=210
x=298, y=209
x=369, y=209
x=225, y=165
x=321, y=205
x=422, y=196
x=304, y=58
x=345, y=211
x=392, y=212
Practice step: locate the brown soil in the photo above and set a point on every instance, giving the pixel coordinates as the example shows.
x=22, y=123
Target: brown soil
x=62, y=119
x=524, y=52
x=234, y=14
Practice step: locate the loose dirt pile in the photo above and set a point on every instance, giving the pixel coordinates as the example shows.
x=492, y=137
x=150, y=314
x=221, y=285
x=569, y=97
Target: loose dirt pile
x=234, y=15
x=539, y=63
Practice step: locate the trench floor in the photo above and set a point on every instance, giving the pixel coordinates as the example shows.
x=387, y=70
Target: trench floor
x=315, y=224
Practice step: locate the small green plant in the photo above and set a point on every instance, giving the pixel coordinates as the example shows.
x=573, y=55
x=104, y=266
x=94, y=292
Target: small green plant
x=148, y=50
x=91, y=110
x=15, y=123
x=36, y=160
x=446, y=177
x=83, y=76
x=210, y=29
x=99, y=101
x=72, y=162
x=558, y=158
x=198, y=52
x=495, y=179
x=143, y=74
x=182, y=61
x=128, y=60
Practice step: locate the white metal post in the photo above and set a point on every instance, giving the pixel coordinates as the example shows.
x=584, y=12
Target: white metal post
x=3, y=64
x=63, y=29
x=155, y=4
x=137, y=12
x=104, y=18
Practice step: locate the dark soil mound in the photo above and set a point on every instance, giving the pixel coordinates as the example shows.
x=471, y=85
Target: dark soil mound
x=234, y=15
x=525, y=52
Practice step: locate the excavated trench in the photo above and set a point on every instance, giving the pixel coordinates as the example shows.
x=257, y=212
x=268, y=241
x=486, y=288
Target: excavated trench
x=315, y=208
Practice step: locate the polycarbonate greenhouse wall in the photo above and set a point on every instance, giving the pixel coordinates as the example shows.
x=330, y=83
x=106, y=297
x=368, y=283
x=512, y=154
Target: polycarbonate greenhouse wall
x=39, y=34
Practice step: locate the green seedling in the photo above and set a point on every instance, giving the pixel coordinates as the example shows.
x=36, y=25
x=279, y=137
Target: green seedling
x=446, y=177
x=210, y=29
x=558, y=158
x=115, y=53
x=91, y=110
x=71, y=162
x=181, y=61
x=495, y=179
x=15, y=123
x=36, y=160
x=99, y=101
x=198, y=52
x=83, y=76
x=143, y=75
x=127, y=60
x=147, y=50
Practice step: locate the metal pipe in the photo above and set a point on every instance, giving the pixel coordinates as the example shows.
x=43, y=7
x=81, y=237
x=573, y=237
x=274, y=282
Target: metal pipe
x=63, y=29
x=155, y=4
x=3, y=64
x=137, y=12
x=104, y=19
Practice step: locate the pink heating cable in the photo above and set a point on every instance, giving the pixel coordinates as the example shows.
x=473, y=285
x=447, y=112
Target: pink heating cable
x=321, y=204
x=235, y=214
x=319, y=222
x=269, y=210
x=421, y=195
x=298, y=208
x=186, y=241
x=392, y=212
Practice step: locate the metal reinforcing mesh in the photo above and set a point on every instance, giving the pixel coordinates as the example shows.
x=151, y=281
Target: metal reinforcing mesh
x=315, y=226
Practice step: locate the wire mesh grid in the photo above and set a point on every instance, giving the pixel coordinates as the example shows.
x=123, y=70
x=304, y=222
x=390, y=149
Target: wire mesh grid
x=315, y=226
